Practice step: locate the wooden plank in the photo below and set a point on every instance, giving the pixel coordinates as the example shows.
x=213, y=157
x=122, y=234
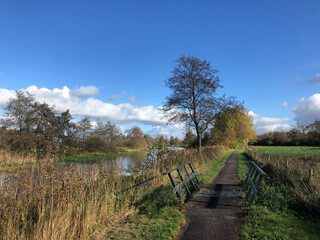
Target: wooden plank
x=253, y=188
x=258, y=168
x=185, y=185
x=176, y=168
x=174, y=185
x=185, y=168
x=193, y=171
x=175, y=189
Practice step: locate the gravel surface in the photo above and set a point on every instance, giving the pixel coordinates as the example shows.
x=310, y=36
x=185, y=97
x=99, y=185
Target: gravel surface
x=212, y=212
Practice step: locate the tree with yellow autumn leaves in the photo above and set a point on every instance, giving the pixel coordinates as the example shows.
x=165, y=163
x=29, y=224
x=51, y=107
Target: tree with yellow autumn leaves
x=233, y=127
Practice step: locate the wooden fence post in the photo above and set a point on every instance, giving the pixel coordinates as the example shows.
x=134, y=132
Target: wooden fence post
x=310, y=174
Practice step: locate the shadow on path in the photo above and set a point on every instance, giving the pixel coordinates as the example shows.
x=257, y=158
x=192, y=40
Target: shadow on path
x=212, y=212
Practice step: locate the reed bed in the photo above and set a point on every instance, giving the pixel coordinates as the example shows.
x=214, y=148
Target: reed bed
x=7, y=157
x=294, y=182
x=45, y=202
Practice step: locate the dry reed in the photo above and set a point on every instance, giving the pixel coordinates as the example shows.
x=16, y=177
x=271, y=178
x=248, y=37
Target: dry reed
x=48, y=202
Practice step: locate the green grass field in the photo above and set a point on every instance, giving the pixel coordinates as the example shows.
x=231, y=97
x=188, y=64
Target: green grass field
x=293, y=151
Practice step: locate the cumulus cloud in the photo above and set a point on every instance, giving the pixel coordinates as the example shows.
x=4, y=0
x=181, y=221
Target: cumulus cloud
x=5, y=95
x=284, y=104
x=264, y=124
x=175, y=130
x=85, y=91
x=308, y=110
x=74, y=100
x=315, y=80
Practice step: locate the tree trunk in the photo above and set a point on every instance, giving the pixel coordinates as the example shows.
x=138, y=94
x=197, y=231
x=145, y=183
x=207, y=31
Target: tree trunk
x=199, y=145
x=199, y=140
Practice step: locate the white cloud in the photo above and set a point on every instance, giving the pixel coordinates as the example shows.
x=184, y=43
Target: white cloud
x=284, y=104
x=74, y=100
x=264, y=124
x=315, y=80
x=84, y=92
x=175, y=130
x=5, y=95
x=308, y=110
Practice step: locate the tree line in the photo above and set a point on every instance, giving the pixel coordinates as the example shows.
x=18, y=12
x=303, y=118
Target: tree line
x=32, y=128
x=302, y=135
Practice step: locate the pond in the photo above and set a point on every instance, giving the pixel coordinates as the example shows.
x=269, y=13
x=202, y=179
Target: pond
x=128, y=165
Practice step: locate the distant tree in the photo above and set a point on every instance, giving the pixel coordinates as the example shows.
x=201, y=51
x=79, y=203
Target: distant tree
x=190, y=139
x=233, y=127
x=107, y=136
x=148, y=139
x=83, y=128
x=298, y=136
x=19, y=112
x=171, y=141
x=193, y=99
x=108, y=131
x=206, y=138
x=35, y=128
x=280, y=138
x=161, y=140
x=314, y=133
x=135, y=138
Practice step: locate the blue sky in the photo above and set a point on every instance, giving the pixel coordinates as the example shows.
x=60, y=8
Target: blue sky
x=112, y=57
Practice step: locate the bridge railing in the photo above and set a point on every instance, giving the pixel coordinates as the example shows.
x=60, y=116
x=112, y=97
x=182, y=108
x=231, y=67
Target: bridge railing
x=190, y=177
x=253, y=181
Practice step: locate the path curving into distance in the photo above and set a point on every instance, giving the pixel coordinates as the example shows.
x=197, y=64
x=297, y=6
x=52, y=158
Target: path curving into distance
x=212, y=212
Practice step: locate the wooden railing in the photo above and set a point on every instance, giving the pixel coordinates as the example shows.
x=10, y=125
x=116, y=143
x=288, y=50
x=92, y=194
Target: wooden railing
x=253, y=181
x=190, y=176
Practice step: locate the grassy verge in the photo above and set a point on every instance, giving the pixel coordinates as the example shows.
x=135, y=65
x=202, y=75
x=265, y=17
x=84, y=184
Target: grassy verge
x=262, y=223
x=243, y=166
x=271, y=217
x=159, y=216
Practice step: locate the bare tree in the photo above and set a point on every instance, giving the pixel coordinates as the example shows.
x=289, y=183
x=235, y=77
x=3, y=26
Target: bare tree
x=194, y=97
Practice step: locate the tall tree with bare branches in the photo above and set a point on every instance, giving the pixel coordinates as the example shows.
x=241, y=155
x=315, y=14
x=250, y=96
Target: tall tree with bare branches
x=194, y=98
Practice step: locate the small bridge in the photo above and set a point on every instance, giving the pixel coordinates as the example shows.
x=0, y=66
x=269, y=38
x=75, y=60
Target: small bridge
x=190, y=177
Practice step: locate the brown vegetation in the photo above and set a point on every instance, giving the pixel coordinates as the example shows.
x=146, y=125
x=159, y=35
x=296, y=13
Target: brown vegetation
x=299, y=179
x=48, y=203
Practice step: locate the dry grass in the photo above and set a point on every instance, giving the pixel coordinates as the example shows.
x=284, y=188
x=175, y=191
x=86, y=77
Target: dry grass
x=48, y=202
x=7, y=157
x=294, y=172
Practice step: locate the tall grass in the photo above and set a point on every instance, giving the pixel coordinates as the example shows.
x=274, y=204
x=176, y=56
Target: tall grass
x=46, y=202
x=7, y=158
x=289, y=183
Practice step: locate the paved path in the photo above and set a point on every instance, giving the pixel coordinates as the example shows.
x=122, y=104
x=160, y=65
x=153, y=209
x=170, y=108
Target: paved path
x=212, y=213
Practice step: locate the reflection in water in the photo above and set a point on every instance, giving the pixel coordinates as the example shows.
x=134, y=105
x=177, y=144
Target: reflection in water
x=128, y=165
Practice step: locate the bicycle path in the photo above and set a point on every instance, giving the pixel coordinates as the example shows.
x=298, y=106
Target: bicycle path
x=213, y=212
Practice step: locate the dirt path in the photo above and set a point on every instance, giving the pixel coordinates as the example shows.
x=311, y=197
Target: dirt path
x=212, y=213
